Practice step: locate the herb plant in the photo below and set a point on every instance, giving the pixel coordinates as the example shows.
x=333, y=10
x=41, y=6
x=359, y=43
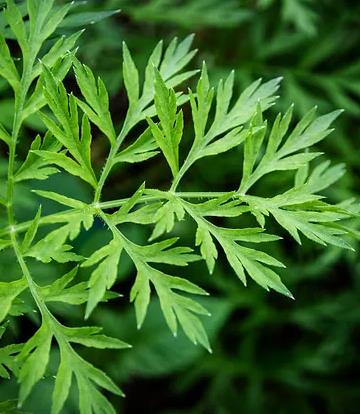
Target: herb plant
x=221, y=121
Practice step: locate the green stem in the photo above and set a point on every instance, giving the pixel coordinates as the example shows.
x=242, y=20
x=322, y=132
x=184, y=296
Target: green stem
x=40, y=303
x=20, y=98
x=203, y=194
x=10, y=185
x=26, y=273
x=52, y=323
x=63, y=216
x=189, y=161
x=194, y=215
x=128, y=124
x=127, y=244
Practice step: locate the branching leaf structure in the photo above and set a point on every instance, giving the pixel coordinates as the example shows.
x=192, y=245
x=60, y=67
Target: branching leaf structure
x=220, y=122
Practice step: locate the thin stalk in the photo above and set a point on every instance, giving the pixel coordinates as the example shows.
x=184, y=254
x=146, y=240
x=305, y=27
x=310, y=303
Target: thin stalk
x=20, y=98
x=52, y=323
x=189, y=161
x=63, y=216
x=26, y=273
x=40, y=303
x=201, y=194
x=127, y=244
x=128, y=124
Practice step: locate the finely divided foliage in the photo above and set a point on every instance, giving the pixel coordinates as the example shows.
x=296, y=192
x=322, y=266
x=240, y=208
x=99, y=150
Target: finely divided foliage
x=221, y=122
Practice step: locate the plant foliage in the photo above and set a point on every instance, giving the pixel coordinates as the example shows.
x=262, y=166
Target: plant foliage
x=221, y=120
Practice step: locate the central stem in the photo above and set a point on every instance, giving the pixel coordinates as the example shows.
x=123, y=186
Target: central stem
x=110, y=160
x=19, y=107
x=20, y=98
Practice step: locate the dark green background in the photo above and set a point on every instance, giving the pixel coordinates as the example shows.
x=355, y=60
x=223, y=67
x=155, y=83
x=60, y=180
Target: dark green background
x=271, y=355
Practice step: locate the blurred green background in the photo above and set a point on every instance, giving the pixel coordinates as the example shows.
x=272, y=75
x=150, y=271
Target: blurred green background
x=271, y=355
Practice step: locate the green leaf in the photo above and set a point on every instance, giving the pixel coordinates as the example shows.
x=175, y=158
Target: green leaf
x=277, y=157
x=31, y=232
x=67, y=128
x=253, y=262
x=221, y=121
x=8, y=292
x=176, y=57
x=7, y=67
x=14, y=19
x=104, y=276
x=8, y=358
x=142, y=215
x=57, y=52
x=4, y=135
x=128, y=205
x=59, y=69
x=90, y=337
x=66, y=163
x=169, y=65
x=60, y=291
x=207, y=247
x=62, y=382
x=226, y=205
x=87, y=376
x=35, y=167
x=317, y=226
x=165, y=217
x=174, y=306
x=140, y=295
x=88, y=17
x=90, y=399
x=163, y=252
x=96, y=105
x=4, y=244
x=242, y=259
x=201, y=104
x=141, y=150
x=53, y=246
x=168, y=133
x=131, y=77
x=59, y=198
x=232, y=139
x=44, y=18
x=34, y=359
x=256, y=98
x=300, y=209
x=227, y=122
